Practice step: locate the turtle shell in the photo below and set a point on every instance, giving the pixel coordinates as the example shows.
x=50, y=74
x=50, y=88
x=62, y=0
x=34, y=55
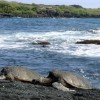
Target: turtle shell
x=74, y=80
x=20, y=73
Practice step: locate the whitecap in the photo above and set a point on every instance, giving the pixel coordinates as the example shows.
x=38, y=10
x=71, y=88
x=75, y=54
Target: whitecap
x=61, y=42
x=96, y=31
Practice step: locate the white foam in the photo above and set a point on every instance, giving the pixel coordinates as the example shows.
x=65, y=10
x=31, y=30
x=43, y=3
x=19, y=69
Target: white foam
x=96, y=31
x=61, y=42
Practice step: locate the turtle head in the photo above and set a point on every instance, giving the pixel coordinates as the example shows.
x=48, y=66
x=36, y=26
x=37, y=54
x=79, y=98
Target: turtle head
x=3, y=72
x=53, y=75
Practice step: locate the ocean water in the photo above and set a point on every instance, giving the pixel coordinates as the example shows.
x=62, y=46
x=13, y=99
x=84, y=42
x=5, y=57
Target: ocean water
x=16, y=48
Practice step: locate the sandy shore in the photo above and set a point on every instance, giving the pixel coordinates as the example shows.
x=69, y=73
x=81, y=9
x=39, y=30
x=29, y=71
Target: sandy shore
x=27, y=91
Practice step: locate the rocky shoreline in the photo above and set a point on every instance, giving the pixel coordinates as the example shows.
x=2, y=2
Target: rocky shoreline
x=16, y=9
x=7, y=15
x=26, y=91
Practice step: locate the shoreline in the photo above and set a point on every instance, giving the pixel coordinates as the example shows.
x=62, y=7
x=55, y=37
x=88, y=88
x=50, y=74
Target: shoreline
x=5, y=15
x=26, y=91
x=16, y=9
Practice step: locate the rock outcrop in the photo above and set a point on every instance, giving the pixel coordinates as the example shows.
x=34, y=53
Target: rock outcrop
x=89, y=42
x=42, y=43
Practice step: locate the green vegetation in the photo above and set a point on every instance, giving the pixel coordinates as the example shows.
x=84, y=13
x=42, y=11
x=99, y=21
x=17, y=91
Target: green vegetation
x=14, y=9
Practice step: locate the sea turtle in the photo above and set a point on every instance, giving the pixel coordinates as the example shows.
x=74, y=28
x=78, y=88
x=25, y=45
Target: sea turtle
x=21, y=74
x=68, y=81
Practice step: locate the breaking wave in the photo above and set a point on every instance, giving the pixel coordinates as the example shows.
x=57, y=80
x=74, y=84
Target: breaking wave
x=61, y=42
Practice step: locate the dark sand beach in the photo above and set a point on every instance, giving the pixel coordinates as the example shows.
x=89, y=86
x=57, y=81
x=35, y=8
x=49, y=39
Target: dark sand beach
x=26, y=91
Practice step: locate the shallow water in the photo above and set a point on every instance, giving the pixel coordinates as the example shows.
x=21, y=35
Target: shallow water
x=17, y=35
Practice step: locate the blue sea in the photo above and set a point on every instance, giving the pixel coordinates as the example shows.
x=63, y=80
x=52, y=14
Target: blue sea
x=16, y=48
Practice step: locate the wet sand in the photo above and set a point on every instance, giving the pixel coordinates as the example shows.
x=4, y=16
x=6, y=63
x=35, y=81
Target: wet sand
x=26, y=91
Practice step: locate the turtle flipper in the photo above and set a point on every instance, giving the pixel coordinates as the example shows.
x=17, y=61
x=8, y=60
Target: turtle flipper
x=59, y=86
x=2, y=77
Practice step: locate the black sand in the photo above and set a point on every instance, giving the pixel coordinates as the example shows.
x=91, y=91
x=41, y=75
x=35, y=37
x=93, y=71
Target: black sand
x=27, y=91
